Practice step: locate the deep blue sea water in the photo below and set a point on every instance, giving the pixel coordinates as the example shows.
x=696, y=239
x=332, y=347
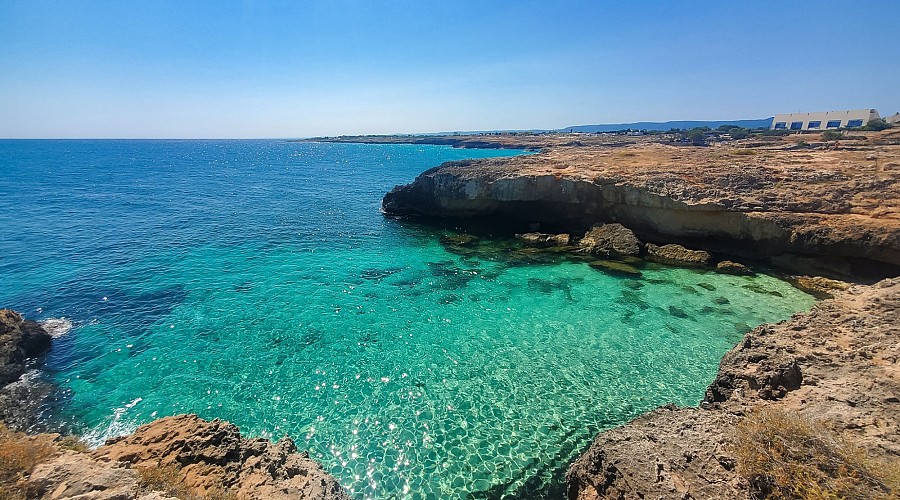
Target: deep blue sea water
x=256, y=281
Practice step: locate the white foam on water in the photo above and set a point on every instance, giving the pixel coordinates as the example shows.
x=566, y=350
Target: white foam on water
x=57, y=327
x=113, y=426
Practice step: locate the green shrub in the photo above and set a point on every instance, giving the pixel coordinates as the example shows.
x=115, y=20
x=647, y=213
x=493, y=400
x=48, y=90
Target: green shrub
x=740, y=133
x=697, y=137
x=877, y=125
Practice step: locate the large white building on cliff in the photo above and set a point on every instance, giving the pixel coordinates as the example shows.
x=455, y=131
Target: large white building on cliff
x=824, y=120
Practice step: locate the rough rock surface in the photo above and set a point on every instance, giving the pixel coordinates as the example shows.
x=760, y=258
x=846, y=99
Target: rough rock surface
x=731, y=267
x=21, y=402
x=213, y=454
x=638, y=461
x=77, y=475
x=818, y=286
x=610, y=240
x=677, y=255
x=839, y=362
x=743, y=199
x=21, y=395
x=20, y=340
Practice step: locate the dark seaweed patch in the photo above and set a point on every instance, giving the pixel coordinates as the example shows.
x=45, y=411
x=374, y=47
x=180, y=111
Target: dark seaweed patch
x=376, y=274
x=677, y=312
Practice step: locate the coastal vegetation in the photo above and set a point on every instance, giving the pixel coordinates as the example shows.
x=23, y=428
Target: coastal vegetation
x=169, y=480
x=19, y=455
x=784, y=455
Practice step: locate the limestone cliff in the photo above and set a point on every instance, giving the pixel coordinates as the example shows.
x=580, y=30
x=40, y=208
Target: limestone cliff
x=775, y=204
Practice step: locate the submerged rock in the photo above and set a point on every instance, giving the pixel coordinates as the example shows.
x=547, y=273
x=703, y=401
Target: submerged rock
x=458, y=240
x=736, y=268
x=610, y=240
x=677, y=255
x=544, y=239
x=615, y=267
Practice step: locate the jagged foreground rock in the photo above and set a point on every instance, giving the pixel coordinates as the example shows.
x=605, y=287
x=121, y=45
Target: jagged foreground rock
x=839, y=362
x=207, y=458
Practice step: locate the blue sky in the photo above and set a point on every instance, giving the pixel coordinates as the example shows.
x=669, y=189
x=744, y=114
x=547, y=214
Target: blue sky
x=293, y=69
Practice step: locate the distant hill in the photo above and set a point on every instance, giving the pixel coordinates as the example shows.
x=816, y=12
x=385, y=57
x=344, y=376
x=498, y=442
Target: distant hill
x=686, y=124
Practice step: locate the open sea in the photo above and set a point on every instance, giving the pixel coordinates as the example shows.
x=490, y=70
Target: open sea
x=257, y=282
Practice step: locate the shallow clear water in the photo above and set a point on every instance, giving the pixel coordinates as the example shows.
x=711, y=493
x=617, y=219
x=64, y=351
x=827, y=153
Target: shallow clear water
x=256, y=281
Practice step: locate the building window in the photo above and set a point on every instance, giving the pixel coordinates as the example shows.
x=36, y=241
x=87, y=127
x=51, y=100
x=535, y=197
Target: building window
x=854, y=123
x=814, y=125
x=796, y=125
x=833, y=124
x=782, y=125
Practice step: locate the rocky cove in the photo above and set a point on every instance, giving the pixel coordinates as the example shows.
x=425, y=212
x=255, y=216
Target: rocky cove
x=667, y=453
x=818, y=210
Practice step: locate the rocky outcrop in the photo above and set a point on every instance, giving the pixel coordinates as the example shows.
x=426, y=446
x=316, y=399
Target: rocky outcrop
x=543, y=240
x=639, y=460
x=212, y=455
x=183, y=456
x=839, y=362
x=833, y=206
x=610, y=240
x=677, y=255
x=817, y=286
x=736, y=268
x=20, y=340
x=77, y=475
x=21, y=343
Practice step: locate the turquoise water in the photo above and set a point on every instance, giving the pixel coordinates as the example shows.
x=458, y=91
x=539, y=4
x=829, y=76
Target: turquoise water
x=256, y=281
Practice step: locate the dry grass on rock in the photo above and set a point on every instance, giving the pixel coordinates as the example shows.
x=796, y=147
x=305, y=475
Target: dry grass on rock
x=169, y=479
x=19, y=454
x=786, y=456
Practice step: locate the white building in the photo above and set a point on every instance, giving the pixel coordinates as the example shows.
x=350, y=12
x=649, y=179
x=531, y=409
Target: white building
x=824, y=120
x=893, y=119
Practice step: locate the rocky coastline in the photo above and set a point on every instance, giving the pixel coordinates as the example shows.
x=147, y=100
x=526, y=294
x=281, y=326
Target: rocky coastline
x=810, y=211
x=825, y=210
x=813, y=213
x=839, y=363
x=182, y=456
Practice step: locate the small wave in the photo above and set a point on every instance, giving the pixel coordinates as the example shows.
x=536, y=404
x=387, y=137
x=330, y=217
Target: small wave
x=57, y=327
x=113, y=426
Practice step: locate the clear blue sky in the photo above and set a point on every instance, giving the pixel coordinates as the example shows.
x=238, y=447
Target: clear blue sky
x=292, y=69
